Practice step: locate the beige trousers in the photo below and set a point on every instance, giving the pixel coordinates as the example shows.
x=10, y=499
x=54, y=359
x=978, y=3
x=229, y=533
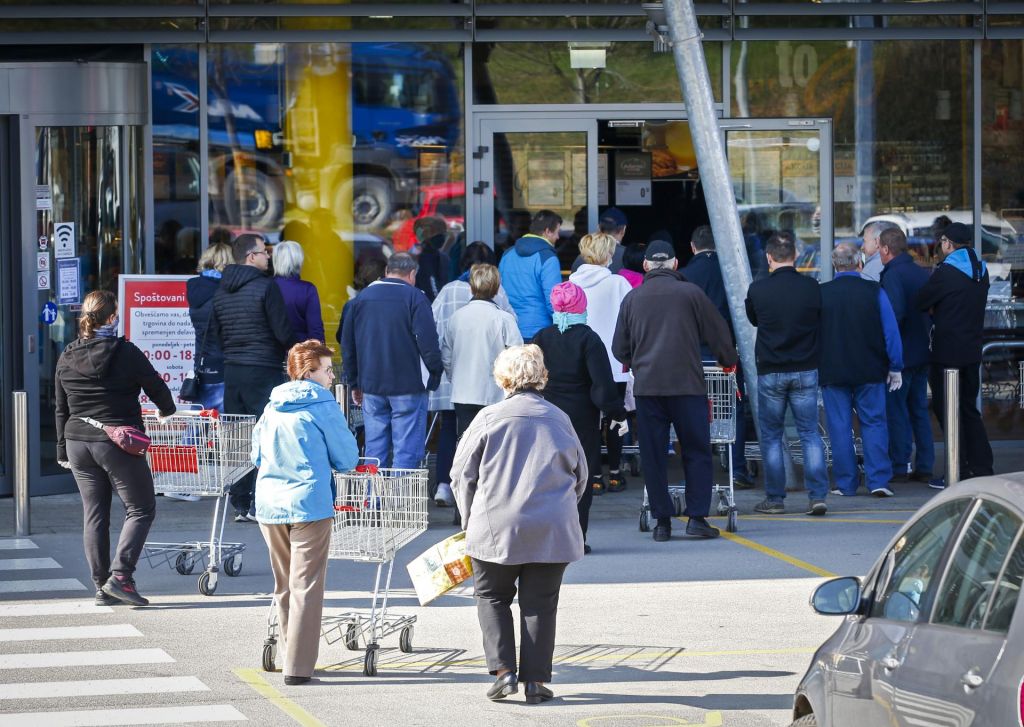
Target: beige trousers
x=298, y=557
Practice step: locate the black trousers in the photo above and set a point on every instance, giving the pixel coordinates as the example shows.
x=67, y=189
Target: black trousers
x=975, y=450
x=247, y=391
x=689, y=415
x=464, y=416
x=539, y=585
x=100, y=469
x=612, y=438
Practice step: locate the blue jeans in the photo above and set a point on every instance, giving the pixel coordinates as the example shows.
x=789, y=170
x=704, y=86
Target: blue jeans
x=396, y=425
x=907, y=413
x=798, y=390
x=211, y=396
x=869, y=402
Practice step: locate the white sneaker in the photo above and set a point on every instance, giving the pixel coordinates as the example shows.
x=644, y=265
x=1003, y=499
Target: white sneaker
x=444, y=497
x=883, y=492
x=183, y=498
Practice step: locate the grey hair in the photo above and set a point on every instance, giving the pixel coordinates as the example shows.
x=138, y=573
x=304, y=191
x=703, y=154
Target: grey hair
x=660, y=264
x=288, y=259
x=877, y=228
x=845, y=257
x=401, y=263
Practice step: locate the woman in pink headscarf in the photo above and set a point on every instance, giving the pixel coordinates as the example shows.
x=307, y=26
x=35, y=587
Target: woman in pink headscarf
x=580, y=379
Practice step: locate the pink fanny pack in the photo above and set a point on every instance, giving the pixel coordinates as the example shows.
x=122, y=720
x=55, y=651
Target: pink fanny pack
x=130, y=439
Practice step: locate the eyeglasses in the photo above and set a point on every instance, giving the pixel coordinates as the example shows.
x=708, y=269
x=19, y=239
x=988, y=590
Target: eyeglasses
x=330, y=372
x=260, y=252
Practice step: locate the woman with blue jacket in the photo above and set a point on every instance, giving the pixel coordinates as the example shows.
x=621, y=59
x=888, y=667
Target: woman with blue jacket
x=297, y=443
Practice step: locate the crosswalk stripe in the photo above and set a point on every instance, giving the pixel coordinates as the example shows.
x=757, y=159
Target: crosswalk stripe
x=44, y=584
x=107, y=657
x=58, y=608
x=17, y=544
x=53, y=633
x=136, y=716
x=28, y=563
x=101, y=687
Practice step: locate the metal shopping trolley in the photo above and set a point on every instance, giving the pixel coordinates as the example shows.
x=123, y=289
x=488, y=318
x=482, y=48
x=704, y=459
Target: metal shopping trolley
x=377, y=511
x=199, y=453
x=722, y=393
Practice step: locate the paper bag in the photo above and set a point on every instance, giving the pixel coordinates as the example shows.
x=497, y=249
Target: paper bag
x=440, y=568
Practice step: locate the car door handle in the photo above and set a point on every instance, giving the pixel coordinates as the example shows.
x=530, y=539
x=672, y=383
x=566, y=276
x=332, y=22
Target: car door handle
x=890, y=662
x=972, y=679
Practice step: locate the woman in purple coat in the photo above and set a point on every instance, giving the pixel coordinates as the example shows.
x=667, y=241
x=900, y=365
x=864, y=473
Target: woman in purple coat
x=300, y=296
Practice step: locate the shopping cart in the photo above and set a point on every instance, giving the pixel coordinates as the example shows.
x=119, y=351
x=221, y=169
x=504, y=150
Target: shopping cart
x=377, y=511
x=199, y=453
x=722, y=393
x=1020, y=386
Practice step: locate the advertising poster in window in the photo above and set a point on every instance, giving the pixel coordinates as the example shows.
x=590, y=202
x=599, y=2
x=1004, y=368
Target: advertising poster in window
x=153, y=313
x=632, y=178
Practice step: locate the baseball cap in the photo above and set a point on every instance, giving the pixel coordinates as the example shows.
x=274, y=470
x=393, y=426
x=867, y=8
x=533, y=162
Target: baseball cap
x=659, y=251
x=959, y=234
x=613, y=217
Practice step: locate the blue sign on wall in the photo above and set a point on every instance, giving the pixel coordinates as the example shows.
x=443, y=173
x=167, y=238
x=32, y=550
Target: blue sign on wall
x=49, y=313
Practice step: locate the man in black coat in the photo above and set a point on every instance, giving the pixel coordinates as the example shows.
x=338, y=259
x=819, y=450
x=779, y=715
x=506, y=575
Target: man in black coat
x=658, y=334
x=251, y=322
x=956, y=295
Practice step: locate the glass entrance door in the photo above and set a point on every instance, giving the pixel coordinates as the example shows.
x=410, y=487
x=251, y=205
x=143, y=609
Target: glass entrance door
x=781, y=172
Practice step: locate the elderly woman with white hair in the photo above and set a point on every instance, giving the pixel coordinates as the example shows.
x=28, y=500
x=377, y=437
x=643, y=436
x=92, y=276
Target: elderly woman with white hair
x=519, y=472
x=300, y=296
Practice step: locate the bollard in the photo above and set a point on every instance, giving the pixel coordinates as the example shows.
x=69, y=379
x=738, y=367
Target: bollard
x=21, y=497
x=952, y=426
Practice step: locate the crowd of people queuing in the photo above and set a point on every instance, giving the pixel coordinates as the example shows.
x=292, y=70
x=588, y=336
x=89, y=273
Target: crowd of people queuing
x=528, y=377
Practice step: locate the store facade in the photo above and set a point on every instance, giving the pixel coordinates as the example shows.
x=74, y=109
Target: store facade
x=338, y=125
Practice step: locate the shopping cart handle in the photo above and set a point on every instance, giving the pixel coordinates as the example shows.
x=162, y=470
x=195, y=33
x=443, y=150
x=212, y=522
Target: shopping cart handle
x=208, y=413
x=368, y=469
x=345, y=508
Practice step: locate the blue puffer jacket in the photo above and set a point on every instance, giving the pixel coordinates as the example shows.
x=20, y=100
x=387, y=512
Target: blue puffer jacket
x=528, y=273
x=300, y=438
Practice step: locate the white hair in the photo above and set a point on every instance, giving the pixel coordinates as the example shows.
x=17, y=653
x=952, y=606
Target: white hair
x=288, y=259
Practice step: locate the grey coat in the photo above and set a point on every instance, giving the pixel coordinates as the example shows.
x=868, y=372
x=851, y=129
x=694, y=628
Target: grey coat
x=519, y=471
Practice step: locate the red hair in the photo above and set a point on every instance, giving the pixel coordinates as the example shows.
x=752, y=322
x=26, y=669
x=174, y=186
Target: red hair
x=304, y=358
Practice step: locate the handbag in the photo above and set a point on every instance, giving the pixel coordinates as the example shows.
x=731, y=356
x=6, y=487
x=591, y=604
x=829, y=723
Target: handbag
x=129, y=439
x=190, y=390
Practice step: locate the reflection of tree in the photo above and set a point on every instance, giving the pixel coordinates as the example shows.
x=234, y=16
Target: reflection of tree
x=217, y=79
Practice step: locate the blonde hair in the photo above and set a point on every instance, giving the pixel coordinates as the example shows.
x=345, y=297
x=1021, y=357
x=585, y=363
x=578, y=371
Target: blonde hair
x=521, y=368
x=216, y=257
x=288, y=259
x=97, y=308
x=484, y=281
x=598, y=248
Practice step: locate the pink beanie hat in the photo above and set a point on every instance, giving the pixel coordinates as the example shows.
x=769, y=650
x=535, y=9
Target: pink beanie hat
x=568, y=298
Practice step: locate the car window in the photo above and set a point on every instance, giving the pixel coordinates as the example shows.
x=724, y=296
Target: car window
x=1005, y=601
x=973, y=571
x=910, y=565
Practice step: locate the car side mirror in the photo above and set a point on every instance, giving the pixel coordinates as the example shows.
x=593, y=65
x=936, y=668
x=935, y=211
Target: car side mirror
x=838, y=597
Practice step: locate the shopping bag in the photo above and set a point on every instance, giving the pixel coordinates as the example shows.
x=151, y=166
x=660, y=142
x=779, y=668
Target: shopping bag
x=440, y=568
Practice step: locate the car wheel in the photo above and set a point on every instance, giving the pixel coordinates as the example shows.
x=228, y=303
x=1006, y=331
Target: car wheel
x=808, y=720
x=372, y=201
x=253, y=199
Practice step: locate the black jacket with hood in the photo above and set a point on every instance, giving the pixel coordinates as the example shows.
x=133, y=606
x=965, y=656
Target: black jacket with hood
x=100, y=378
x=250, y=318
x=199, y=292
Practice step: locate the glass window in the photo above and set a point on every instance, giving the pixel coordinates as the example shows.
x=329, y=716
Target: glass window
x=1007, y=592
x=973, y=571
x=911, y=564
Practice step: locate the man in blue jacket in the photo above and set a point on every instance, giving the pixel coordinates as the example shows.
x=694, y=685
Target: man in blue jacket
x=530, y=270
x=391, y=359
x=861, y=353
x=907, y=408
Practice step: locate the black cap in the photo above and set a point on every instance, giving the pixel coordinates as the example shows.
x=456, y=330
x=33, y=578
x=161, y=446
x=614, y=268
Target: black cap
x=658, y=251
x=959, y=234
x=612, y=218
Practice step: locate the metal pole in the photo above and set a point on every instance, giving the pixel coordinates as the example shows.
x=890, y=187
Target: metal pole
x=21, y=496
x=714, y=174
x=952, y=426
x=342, y=397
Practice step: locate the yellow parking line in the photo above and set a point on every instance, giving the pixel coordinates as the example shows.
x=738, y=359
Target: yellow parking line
x=778, y=554
x=262, y=687
x=826, y=519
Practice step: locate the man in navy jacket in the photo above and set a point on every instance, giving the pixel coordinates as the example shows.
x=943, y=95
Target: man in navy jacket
x=907, y=408
x=391, y=359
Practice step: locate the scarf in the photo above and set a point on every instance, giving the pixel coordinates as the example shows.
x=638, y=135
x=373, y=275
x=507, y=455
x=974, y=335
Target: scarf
x=565, y=320
x=107, y=331
x=211, y=273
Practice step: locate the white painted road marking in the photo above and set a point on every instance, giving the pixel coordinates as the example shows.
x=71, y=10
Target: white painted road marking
x=28, y=563
x=54, y=633
x=98, y=687
x=85, y=658
x=45, y=584
x=142, y=715
x=57, y=608
x=17, y=544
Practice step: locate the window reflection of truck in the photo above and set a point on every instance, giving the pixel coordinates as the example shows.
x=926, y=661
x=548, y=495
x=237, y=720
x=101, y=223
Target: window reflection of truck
x=404, y=102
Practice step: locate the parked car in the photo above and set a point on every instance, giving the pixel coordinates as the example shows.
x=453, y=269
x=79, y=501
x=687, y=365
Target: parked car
x=919, y=227
x=933, y=634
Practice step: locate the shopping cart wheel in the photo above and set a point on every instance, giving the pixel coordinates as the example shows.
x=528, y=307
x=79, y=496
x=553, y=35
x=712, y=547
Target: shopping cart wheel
x=208, y=583
x=645, y=521
x=352, y=637
x=184, y=564
x=677, y=505
x=269, y=654
x=370, y=661
x=730, y=524
x=405, y=640
x=233, y=565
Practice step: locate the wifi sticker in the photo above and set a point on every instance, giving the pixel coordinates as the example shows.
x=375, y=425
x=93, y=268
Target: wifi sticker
x=64, y=239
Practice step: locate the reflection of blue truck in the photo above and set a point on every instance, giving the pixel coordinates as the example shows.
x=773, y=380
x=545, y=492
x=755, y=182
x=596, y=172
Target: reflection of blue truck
x=405, y=101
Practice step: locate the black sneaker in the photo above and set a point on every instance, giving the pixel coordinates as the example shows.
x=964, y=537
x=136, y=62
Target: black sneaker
x=241, y=516
x=662, y=533
x=123, y=589
x=699, y=527
x=616, y=481
x=586, y=549
x=102, y=599
x=743, y=482
x=770, y=507
x=817, y=507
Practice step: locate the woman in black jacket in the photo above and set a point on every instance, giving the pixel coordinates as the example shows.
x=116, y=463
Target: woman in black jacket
x=99, y=377
x=580, y=381
x=199, y=292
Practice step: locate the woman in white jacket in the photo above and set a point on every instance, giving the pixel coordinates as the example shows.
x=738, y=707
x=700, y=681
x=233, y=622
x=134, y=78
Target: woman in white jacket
x=605, y=292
